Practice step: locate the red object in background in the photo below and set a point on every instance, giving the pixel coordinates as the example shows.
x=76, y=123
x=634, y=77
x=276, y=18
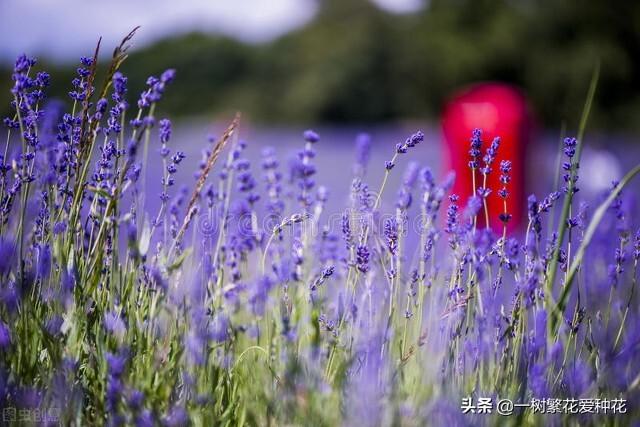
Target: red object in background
x=499, y=110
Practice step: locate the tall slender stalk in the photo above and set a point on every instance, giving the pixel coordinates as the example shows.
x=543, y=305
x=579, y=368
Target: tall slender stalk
x=566, y=207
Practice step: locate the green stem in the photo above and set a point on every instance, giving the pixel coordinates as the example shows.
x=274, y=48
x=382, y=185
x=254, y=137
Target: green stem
x=626, y=310
x=562, y=225
x=589, y=233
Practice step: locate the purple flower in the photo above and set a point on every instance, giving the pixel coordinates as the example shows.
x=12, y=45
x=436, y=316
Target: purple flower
x=570, y=147
x=452, y=214
x=168, y=76
x=391, y=234
x=570, y=167
x=483, y=193
x=43, y=79
x=86, y=61
x=415, y=139
x=195, y=344
x=165, y=130
x=505, y=217
x=246, y=183
x=113, y=395
x=11, y=124
x=81, y=83
x=114, y=324
x=145, y=419
x=365, y=390
x=220, y=328
x=410, y=174
x=476, y=146
x=363, y=152
x=158, y=279
x=5, y=336
x=133, y=174
x=132, y=232
x=403, y=202
x=534, y=215
x=346, y=230
x=505, y=171
x=427, y=250
x=44, y=261
x=426, y=179
x=155, y=88
x=23, y=63
x=474, y=204
x=573, y=222
x=53, y=325
x=505, y=168
x=115, y=363
x=177, y=417
x=411, y=141
x=324, y=275
x=327, y=272
x=273, y=178
x=538, y=380
x=490, y=155
x=136, y=399
x=119, y=86
x=547, y=202
x=7, y=253
x=362, y=258
x=311, y=136
x=10, y=296
x=260, y=293
x=302, y=170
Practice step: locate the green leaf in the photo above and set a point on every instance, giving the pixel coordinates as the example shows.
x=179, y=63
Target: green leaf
x=588, y=235
x=178, y=262
x=99, y=191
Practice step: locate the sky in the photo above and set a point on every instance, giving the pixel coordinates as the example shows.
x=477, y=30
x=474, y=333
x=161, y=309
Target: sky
x=61, y=30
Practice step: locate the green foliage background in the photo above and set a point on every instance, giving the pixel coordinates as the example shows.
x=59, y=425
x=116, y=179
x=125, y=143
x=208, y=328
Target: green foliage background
x=357, y=63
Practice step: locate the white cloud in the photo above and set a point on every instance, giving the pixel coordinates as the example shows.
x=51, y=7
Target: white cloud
x=63, y=29
x=401, y=6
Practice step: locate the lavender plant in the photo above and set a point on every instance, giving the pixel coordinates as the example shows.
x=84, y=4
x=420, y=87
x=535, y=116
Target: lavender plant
x=237, y=303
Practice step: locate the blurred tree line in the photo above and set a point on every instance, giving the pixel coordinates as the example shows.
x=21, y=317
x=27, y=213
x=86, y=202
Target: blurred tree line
x=357, y=63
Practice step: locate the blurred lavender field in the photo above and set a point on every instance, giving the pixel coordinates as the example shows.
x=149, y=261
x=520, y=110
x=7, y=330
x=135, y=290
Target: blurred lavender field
x=606, y=157
x=312, y=261
x=362, y=300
